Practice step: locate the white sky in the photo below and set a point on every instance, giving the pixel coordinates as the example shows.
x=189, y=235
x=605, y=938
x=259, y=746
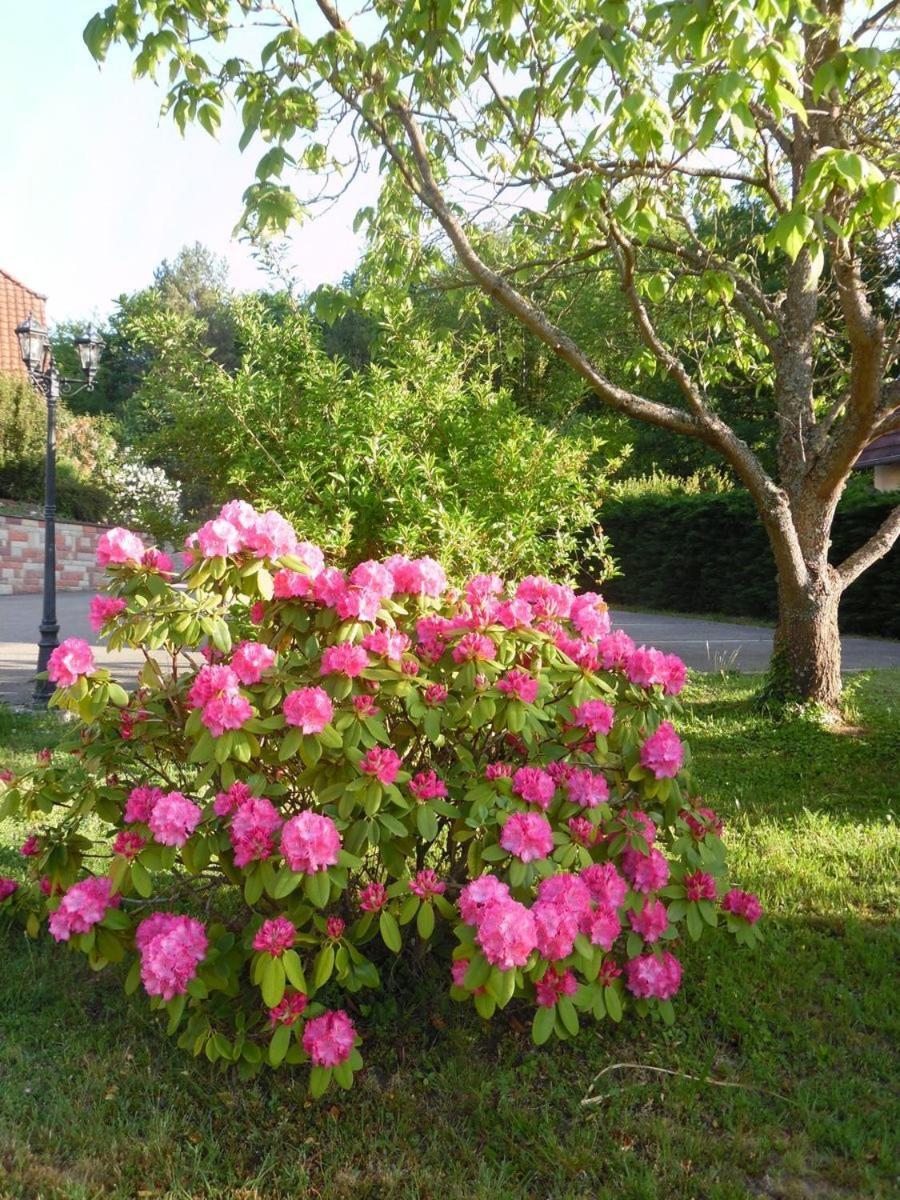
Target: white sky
x=96, y=188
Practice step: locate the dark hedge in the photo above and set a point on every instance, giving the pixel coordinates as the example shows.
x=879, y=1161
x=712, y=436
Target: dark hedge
x=708, y=553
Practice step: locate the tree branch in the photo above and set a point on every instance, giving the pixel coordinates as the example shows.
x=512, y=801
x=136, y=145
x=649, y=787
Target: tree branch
x=871, y=551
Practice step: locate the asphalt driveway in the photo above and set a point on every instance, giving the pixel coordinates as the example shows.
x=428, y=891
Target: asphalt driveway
x=703, y=644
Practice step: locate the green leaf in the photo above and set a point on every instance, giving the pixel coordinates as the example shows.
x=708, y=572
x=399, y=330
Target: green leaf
x=425, y=921
x=278, y=1046
x=142, y=880
x=543, y=1024
x=568, y=1014
x=319, y=1079
x=324, y=966
x=293, y=969
x=273, y=982
x=390, y=931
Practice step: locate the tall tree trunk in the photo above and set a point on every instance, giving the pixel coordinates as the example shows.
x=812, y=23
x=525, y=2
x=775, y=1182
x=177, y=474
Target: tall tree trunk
x=806, y=658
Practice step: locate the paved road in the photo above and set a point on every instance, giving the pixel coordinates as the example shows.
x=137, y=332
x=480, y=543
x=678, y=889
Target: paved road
x=704, y=645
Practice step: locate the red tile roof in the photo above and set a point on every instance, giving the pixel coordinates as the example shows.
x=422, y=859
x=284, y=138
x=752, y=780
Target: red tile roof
x=882, y=451
x=16, y=302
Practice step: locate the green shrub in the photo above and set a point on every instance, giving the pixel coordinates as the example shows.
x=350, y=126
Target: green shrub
x=418, y=453
x=708, y=552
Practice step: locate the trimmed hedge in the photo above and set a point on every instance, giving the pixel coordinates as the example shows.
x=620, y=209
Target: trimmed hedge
x=708, y=553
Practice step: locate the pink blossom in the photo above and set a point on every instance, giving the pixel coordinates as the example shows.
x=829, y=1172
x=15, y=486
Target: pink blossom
x=650, y=976
x=517, y=683
x=329, y=1039
x=514, y=614
x=365, y=706
x=528, y=836
x=382, y=762
x=426, y=785
x=674, y=674
x=426, y=884
x=103, y=609
x=646, y=666
x=556, y=928
x=605, y=884
x=310, y=842
x=742, y=904
x=344, y=659
x=31, y=846
x=482, y=587
x=587, y=788
x=119, y=546
x=435, y=694
x=373, y=897
x=566, y=891
x=129, y=843
x=478, y=894
x=157, y=560
x=387, y=643
x=615, y=650
x=549, y=599
x=554, y=984
x=309, y=708
x=700, y=886
x=7, y=887
x=417, y=577
x=474, y=647
x=583, y=833
x=289, y=1009
x=226, y=803
x=645, y=872
x=291, y=585
x=209, y=682
x=506, y=933
x=171, y=949
x=458, y=969
x=637, y=824
x=253, y=829
x=227, y=711
x=499, y=770
x=173, y=819
x=251, y=660
x=140, y=804
x=69, y=661
x=334, y=928
x=275, y=936
x=594, y=715
x=218, y=539
x=662, y=752
x=590, y=615
x=535, y=786
x=701, y=822
x=651, y=922
x=602, y=926
x=329, y=586
x=310, y=555
x=257, y=612
x=82, y=907
x=373, y=576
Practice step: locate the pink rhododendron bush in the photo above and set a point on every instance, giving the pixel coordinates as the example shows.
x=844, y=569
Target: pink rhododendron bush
x=320, y=770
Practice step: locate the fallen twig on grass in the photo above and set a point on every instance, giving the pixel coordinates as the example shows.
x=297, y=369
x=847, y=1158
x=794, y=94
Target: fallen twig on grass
x=629, y=1066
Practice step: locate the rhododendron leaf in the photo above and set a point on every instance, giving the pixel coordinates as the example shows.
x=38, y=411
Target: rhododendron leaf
x=694, y=922
x=253, y=887
x=223, y=1047
x=432, y=725
x=425, y=921
x=118, y=695
x=613, y=1000
x=290, y=744
x=251, y=1052
x=677, y=908
x=390, y=931
x=133, y=978
x=494, y=853
x=598, y=1003
x=204, y=749
x=408, y=908
x=477, y=973
x=140, y=877
x=542, y=1025
x=310, y=750
x=318, y=888
x=175, y=1009
x=319, y=1079
x=355, y=1060
x=324, y=965
x=707, y=912
x=426, y=822
x=485, y=1005
x=392, y=824
x=198, y=989
x=293, y=969
x=330, y=738
x=273, y=982
x=343, y=1075
x=278, y=1046
x=568, y=1015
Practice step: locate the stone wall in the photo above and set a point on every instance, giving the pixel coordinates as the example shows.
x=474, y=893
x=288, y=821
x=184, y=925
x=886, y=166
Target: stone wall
x=22, y=556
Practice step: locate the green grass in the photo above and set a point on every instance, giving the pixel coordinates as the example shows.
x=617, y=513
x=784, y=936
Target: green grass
x=95, y=1102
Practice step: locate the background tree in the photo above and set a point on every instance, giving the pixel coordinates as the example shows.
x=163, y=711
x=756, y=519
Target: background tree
x=619, y=130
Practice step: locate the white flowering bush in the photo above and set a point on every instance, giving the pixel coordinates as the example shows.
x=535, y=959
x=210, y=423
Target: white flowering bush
x=145, y=497
x=320, y=770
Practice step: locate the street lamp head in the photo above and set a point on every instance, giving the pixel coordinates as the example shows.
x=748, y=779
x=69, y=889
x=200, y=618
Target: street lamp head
x=34, y=342
x=90, y=347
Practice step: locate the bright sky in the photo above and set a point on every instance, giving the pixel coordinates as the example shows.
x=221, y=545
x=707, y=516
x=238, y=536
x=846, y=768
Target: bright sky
x=98, y=188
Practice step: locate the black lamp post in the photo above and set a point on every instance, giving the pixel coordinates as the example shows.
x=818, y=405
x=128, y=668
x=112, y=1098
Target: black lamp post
x=34, y=346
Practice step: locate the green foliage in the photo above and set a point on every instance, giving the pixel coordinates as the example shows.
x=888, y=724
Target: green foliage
x=697, y=551
x=417, y=453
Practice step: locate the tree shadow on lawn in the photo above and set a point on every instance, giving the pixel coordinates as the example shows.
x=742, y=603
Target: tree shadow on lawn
x=96, y=1102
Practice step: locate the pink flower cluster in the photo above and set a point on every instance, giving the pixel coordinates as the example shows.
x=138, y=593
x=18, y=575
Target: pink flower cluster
x=240, y=529
x=171, y=948
x=275, y=936
x=426, y=785
x=82, y=907
x=308, y=708
x=529, y=836
x=120, y=547
x=7, y=887
x=662, y=752
x=329, y=1039
x=653, y=976
x=310, y=842
x=104, y=609
x=253, y=828
x=344, y=659
x=535, y=786
x=382, y=763
x=70, y=660
x=742, y=904
x=173, y=818
x=516, y=683
x=251, y=660
x=215, y=691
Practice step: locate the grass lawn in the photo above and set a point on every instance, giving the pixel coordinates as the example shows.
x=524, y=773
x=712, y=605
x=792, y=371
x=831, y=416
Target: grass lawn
x=95, y=1102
